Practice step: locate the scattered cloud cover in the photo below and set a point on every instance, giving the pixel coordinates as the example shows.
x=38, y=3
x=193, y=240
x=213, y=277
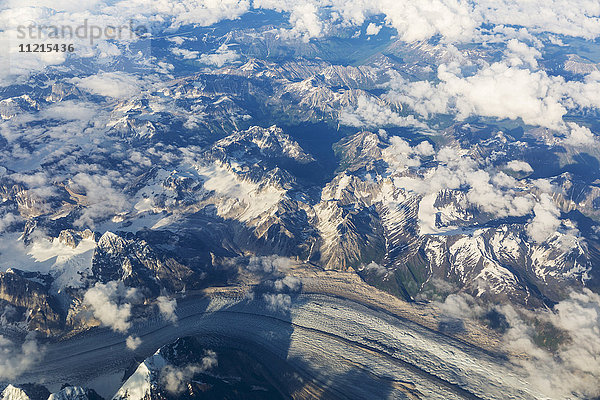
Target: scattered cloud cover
x=461, y=305
x=479, y=185
x=573, y=369
x=453, y=20
x=514, y=87
x=185, y=53
x=400, y=155
x=491, y=191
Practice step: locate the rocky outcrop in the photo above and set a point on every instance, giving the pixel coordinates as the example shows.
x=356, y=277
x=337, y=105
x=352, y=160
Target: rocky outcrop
x=27, y=391
x=72, y=238
x=134, y=261
x=32, y=391
x=75, y=393
x=28, y=293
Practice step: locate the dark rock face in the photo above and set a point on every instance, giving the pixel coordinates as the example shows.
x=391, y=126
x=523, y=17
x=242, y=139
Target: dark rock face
x=203, y=374
x=28, y=293
x=68, y=392
x=72, y=238
x=134, y=262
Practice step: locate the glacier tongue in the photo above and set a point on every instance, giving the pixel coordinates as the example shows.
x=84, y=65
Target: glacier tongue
x=330, y=340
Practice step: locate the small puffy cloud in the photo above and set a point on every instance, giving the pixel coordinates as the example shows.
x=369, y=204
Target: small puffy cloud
x=278, y=301
x=16, y=359
x=222, y=56
x=544, y=185
x=109, y=304
x=111, y=84
x=288, y=283
x=519, y=166
x=373, y=29
x=166, y=307
x=185, y=53
x=270, y=263
x=545, y=221
x=580, y=136
x=174, y=379
x=209, y=361
x=376, y=268
x=399, y=154
x=304, y=17
x=519, y=53
x=69, y=110
x=133, y=342
x=460, y=305
x=424, y=149
x=372, y=113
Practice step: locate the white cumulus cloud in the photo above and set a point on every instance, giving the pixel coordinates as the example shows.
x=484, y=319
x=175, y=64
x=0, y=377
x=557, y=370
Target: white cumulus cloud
x=175, y=378
x=16, y=359
x=109, y=304
x=166, y=307
x=133, y=342
x=545, y=221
